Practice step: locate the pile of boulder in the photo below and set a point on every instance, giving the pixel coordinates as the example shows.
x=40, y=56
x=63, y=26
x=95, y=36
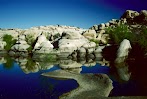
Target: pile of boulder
x=69, y=41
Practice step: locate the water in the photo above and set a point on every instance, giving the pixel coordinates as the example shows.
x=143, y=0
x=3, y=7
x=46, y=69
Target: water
x=18, y=82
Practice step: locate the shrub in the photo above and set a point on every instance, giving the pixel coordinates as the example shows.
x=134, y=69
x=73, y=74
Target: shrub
x=96, y=41
x=9, y=40
x=30, y=39
x=118, y=33
x=122, y=31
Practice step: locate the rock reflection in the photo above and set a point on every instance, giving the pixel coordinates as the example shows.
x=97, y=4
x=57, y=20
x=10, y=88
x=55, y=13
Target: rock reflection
x=90, y=85
x=28, y=65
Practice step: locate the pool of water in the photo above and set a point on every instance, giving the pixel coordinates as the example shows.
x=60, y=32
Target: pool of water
x=15, y=83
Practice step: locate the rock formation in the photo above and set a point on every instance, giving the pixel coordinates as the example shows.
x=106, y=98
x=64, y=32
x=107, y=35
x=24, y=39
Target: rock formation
x=90, y=85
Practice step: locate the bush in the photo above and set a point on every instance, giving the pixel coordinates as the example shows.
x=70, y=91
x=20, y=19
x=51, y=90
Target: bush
x=96, y=41
x=118, y=33
x=30, y=39
x=122, y=31
x=9, y=40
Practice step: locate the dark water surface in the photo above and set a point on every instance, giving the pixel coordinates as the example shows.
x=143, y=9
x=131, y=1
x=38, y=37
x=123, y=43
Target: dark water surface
x=15, y=84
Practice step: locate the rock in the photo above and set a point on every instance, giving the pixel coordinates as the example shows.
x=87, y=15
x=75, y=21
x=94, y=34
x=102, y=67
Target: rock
x=71, y=35
x=2, y=45
x=123, y=51
x=113, y=22
x=89, y=45
x=143, y=13
x=98, y=53
x=107, y=24
x=82, y=52
x=96, y=27
x=43, y=45
x=68, y=45
x=69, y=64
x=90, y=85
x=90, y=34
x=91, y=56
x=41, y=39
x=90, y=50
x=123, y=71
x=130, y=14
x=2, y=60
x=123, y=20
x=142, y=18
x=21, y=37
x=74, y=55
x=102, y=26
x=100, y=33
x=20, y=46
x=105, y=38
x=74, y=70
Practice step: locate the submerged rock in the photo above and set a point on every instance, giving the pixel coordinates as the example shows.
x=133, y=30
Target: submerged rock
x=90, y=85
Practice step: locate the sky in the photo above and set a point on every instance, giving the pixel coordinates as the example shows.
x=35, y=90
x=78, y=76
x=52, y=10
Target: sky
x=80, y=13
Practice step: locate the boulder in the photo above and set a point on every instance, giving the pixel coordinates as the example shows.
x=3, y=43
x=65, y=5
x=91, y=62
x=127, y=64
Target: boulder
x=68, y=45
x=123, y=51
x=69, y=64
x=2, y=45
x=100, y=33
x=104, y=38
x=21, y=37
x=89, y=45
x=43, y=45
x=82, y=52
x=130, y=14
x=96, y=27
x=90, y=34
x=71, y=35
x=98, y=53
x=107, y=24
x=20, y=46
x=102, y=26
x=90, y=85
x=143, y=13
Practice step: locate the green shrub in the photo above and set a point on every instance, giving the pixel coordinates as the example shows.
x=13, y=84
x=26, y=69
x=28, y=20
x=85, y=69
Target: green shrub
x=118, y=33
x=94, y=40
x=9, y=40
x=142, y=37
x=136, y=35
x=30, y=39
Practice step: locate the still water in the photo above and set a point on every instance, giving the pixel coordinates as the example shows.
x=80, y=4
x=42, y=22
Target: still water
x=20, y=80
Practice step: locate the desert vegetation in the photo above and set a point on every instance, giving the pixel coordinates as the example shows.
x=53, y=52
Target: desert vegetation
x=9, y=41
x=136, y=35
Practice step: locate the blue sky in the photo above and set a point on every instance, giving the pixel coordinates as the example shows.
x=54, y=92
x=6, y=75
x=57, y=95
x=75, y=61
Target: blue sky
x=80, y=13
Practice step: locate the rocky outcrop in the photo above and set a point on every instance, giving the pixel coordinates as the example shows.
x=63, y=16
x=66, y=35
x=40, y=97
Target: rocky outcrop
x=71, y=45
x=43, y=45
x=134, y=17
x=90, y=34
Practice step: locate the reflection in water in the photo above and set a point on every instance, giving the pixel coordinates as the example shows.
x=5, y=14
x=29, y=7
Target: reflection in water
x=8, y=63
x=90, y=85
x=128, y=78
